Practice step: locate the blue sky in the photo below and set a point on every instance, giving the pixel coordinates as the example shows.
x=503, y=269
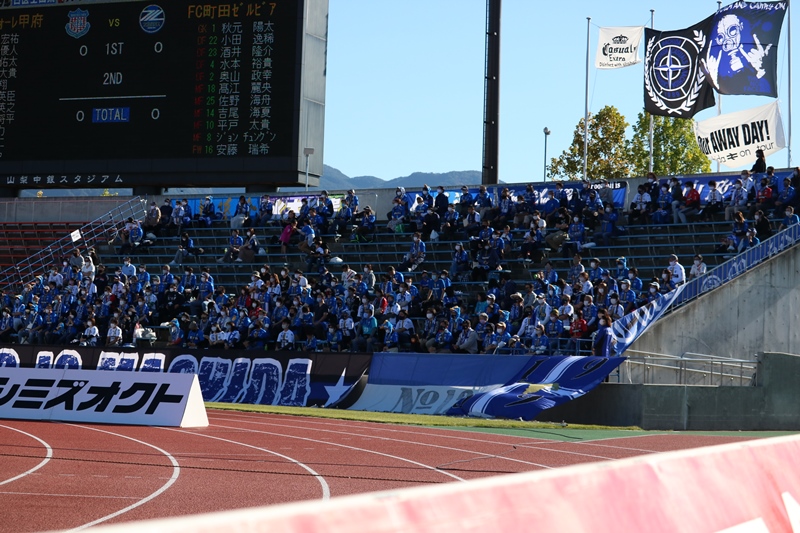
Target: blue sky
x=405, y=81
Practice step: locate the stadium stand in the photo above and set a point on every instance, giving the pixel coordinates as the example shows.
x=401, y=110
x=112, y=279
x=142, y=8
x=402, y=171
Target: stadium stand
x=422, y=278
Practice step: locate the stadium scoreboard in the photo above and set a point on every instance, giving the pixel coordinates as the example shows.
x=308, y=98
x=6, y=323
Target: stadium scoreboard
x=132, y=93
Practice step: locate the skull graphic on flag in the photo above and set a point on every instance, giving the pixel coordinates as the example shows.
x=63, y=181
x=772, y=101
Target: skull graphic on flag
x=78, y=24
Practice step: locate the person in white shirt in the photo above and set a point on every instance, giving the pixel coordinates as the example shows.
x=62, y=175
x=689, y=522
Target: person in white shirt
x=255, y=281
x=285, y=337
x=676, y=270
x=217, y=338
x=698, y=268
x=90, y=334
x=88, y=269
x=640, y=206
x=114, y=334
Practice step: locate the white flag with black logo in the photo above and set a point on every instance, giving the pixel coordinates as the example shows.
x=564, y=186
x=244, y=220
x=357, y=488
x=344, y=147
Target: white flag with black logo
x=618, y=47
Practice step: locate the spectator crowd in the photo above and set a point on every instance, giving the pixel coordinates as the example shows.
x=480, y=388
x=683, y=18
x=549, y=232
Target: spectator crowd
x=405, y=308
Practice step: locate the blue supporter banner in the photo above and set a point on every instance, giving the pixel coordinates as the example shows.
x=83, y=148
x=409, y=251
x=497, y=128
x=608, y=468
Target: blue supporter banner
x=503, y=386
x=543, y=383
x=290, y=378
x=634, y=324
x=725, y=182
x=619, y=190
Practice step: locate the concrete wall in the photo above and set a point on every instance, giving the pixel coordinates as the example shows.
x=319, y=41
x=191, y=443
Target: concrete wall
x=58, y=209
x=773, y=404
x=755, y=313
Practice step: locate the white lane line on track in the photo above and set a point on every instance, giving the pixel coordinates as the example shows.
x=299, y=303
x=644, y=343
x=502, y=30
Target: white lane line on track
x=483, y=455
x=326, y=490
x=47, y=457
x=537, y=441
x=428, y=467
x=176, y=471
x=71, y=495
x=538, y=446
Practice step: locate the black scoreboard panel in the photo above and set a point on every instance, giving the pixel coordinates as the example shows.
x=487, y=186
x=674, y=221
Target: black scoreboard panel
x=127, y=93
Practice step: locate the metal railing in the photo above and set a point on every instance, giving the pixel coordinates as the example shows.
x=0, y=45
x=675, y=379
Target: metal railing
x=668, y=370
x=738, y=265
x=97, y=232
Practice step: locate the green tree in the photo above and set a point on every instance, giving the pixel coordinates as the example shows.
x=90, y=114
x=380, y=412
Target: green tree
x=607, y=153
x=675, y=150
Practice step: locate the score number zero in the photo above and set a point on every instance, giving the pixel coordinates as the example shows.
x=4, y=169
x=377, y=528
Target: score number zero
x=115, y=114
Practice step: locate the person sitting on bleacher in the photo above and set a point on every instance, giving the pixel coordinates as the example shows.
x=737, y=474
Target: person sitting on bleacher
x=690, y=205
x=522, y=212
x=713, y=202
x=208, y=212
x=764, y=197
x=442, y=340
x=498, y=244
x=235, y=242
x=487, y=261
x=640, y=206
x=592, y=210
x=540, y=344
x=608, y=226
x=786, y=196
x=472, y=223
x=789, y=220
x=663, y=206
x=465, y=201
x=343, y=218
x=576, y=235
x=749, y=240
x=738, y=201
x=90, y=335
x=415, y=255
x=550, y=208
x=366, y=227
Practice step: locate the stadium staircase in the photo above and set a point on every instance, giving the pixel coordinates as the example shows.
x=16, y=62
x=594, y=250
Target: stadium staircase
x=31, y=249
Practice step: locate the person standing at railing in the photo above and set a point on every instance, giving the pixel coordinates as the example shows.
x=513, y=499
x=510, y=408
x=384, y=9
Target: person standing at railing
x=601, y=346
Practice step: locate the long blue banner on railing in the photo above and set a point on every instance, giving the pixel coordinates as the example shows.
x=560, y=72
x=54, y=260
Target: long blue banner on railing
x=503, y=386
x=276, y=378
x=739, y=264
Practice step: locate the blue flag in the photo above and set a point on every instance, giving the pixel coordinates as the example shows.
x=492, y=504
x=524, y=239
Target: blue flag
x=742, y=54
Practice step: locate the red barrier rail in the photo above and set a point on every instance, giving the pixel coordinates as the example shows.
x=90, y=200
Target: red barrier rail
x=750, y=486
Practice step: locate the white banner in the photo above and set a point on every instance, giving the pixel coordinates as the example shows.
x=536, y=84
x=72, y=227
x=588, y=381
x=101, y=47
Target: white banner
x=732, y=139
x=618, y=47
x=102, y=397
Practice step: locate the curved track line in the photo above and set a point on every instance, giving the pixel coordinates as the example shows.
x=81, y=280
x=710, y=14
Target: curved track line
x=537, y=441
x=484, y=455
x=539, y=444
x=428, y=467
x=176, y=471
x=48, y=456
x=326, y=490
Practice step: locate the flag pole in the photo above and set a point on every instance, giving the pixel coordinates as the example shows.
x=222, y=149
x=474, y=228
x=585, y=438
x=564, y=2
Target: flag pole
x=650, y=163
x=586, y=105
x=789, y=40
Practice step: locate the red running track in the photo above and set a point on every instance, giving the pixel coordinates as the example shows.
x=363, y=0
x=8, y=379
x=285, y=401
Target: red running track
x=73, y=476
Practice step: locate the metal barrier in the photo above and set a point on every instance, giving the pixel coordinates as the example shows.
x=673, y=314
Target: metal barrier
x=738, y=265
x=98, y=231
x=668, y=370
